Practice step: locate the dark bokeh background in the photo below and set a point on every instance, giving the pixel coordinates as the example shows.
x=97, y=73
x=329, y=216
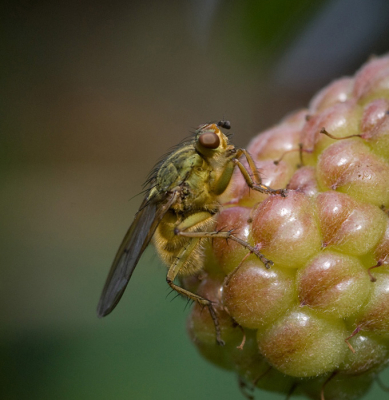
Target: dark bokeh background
x=92, y=94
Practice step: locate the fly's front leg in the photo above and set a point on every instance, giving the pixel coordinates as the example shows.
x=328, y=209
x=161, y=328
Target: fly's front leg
x=256, y=183
x=200, y=218
x=227, y=235
x=251, y=163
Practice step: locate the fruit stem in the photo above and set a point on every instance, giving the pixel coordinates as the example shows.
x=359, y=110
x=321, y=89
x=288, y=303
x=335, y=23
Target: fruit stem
x=356, y=330
x=372, y=278
x=256, y=380
x=322, y=397
x=323, y=130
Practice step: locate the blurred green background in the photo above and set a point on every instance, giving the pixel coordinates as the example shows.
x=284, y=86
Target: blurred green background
x=92, y=94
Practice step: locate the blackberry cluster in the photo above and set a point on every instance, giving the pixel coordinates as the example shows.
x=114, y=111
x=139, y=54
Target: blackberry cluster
x=317, y=322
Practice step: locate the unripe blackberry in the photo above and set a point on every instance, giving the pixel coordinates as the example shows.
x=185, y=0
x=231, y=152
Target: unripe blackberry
x=317, y=321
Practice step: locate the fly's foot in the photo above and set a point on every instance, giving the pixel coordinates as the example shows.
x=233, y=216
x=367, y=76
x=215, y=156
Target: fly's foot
x=215, y=319
x=268, y=190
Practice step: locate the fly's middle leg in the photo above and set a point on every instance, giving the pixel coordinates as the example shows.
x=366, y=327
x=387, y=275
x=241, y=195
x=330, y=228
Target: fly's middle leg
x=227, y=235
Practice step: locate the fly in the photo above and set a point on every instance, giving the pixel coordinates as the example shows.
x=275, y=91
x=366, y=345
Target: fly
x=178, y=213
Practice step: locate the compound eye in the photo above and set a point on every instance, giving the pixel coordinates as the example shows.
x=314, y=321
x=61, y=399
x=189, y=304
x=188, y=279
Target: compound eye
x=209, y=140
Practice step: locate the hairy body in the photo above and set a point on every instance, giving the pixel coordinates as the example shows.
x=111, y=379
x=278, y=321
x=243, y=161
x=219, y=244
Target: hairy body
x=178, y=213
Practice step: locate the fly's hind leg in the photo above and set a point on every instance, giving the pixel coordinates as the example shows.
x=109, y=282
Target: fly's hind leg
x=173, y=271
x=204, y=302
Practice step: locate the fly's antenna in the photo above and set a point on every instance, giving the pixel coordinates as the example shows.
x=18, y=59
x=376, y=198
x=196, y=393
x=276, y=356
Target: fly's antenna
x=224, y=124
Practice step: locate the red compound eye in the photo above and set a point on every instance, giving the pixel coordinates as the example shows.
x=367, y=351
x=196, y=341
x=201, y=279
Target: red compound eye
x=209, y=140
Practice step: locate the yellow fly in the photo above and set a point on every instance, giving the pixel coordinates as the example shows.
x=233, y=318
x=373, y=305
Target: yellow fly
x=178, y=213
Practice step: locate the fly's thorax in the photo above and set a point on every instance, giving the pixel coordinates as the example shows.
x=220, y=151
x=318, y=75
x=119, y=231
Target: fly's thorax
x=177, y=168
x=187, y=171
x=199, y=173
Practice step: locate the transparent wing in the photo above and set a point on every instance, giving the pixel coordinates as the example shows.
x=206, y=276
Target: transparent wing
x=133, y=245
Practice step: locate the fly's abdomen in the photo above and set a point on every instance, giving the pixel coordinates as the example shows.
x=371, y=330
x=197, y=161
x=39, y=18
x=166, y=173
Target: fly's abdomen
x=173, y=248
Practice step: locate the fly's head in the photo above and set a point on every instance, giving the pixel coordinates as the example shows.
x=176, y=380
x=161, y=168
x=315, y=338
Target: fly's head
x=211, y=142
